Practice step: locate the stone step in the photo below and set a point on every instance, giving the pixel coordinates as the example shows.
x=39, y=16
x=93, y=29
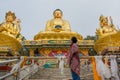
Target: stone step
x=55, y=74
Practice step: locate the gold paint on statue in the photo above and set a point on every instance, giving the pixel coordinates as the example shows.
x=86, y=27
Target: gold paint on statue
x=57, y=29
x=106, y=28
x=112, y=40
x=11, y=27
x=57, y=21
x=10, y=33
x=107, y=34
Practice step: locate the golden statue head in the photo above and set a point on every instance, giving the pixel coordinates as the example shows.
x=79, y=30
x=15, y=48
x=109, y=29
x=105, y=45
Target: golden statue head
x=57, y=13
x=103, y=21
x=10, y=16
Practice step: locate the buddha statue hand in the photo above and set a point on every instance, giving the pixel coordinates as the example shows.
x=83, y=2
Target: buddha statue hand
x=17, y=22
x=58, y=26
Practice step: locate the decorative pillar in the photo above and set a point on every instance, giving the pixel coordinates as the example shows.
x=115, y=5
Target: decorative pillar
x=31, y=52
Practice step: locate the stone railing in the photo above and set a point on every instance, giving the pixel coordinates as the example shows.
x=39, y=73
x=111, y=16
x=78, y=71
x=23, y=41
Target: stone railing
x=36, y=62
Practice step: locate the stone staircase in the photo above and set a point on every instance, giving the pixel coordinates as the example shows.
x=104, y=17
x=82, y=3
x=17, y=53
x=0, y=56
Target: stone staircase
x=54, y=74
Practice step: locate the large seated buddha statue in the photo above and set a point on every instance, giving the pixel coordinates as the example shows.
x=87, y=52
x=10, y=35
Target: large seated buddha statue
x=57, y=23
x=57, y=28
x=11, y=26
x=106, y=28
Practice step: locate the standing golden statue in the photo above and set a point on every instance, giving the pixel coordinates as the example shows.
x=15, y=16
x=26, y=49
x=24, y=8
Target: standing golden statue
x=57, y=23
x=12, y=26
x=106, y=28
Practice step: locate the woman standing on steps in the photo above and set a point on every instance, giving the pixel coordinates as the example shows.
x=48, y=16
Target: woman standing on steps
x=73, y=59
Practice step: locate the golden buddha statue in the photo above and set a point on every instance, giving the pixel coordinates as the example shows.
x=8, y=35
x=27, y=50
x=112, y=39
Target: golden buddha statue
x=107, y=35
x=57, y=23
x=105, y=27
x=12, y=26
x=57, y=29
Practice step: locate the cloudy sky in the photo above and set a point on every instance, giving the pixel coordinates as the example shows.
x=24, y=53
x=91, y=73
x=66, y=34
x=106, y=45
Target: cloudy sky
x=83, y=15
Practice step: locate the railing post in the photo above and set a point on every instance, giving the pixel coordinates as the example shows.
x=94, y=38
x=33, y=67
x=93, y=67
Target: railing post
x=18, y=74
x=18, y=71
x=32, y=67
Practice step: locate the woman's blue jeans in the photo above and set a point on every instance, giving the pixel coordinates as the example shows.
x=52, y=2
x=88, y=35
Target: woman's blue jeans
x=75, y=76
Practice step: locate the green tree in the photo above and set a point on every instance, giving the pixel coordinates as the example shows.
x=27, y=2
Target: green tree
x=91, y=38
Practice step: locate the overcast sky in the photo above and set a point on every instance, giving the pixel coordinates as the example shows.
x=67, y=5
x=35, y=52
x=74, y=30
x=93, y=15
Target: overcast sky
x=83, y=15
